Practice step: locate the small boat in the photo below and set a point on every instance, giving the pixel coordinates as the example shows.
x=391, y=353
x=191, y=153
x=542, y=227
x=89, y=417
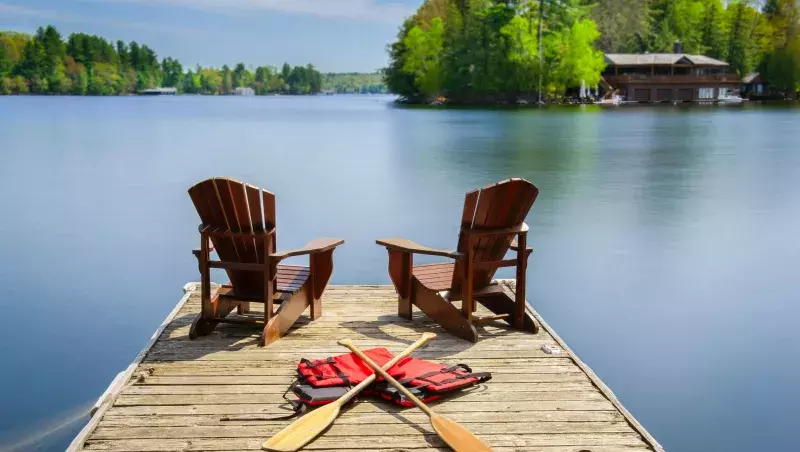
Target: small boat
x=729, y=96
x=730, y=99
x=613, y=100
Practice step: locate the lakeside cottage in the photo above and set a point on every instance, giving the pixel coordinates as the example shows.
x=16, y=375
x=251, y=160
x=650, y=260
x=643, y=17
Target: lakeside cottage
x=669, y=77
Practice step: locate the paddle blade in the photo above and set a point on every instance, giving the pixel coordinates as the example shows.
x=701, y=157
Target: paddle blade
x=303, y=430
x=456, y=436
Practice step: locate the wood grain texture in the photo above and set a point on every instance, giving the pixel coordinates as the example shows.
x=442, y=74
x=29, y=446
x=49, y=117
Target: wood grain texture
x=176, y=397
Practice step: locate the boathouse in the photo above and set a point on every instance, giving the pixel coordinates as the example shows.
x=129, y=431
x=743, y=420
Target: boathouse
x=668, y=77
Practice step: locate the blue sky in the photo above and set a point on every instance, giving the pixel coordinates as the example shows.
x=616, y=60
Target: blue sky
x=334, y=35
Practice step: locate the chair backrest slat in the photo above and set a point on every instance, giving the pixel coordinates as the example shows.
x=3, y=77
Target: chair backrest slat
x=256, y=217
x=268, y=199
x=231, y=205
x=241, y=219
x=502, y=205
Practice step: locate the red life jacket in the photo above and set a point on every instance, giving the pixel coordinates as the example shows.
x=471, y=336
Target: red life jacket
x=325, y=380
x=343, y=370
x=430, y=381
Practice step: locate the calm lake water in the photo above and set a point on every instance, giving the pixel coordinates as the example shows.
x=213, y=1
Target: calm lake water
x=666, y=239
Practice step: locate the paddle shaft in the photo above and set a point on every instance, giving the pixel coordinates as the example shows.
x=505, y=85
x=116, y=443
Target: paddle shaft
x=349, y=344
x=382, y=371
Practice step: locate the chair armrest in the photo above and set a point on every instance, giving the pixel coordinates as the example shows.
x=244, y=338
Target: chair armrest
x=196, y=251
x=515, y=247
x=313, y=247
x=408, y=246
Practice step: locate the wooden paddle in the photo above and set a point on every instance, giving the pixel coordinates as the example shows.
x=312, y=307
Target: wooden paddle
x=457, y=437
x=303, y=430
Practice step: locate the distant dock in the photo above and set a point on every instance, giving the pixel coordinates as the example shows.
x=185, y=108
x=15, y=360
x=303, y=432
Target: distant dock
x=174, y=396
x=159, y=92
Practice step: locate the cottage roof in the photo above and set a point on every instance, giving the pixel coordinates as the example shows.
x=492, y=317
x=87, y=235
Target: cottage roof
x=666, y=59
x=751, y=78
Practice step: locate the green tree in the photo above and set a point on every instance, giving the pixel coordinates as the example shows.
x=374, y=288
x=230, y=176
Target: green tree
x=286, y=71
x=192, y=83
x=210, y=80
x=748, y=36
x=31, y=66
x=623, y=24
x=13, y=43
x=580, y=62
x=123, y=56
x=19, y=85
x=5, y=61
x=172, y=72
x=314, y=79
x=241, y=77
x=103, y=79
x=781, y=65
x=523, y=54
x=227, y=84
x=713, y=31
x=76, y=74
x=487, y=50
x=423, y=57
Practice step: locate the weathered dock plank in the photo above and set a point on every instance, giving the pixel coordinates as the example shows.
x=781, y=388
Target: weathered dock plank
x=177, y=394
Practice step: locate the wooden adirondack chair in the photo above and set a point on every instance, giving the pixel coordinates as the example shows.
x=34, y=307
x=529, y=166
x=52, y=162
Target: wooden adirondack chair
x=243, y=235
x=492, y=217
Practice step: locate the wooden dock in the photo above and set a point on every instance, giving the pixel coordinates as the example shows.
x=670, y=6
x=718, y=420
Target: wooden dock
x=176, y=393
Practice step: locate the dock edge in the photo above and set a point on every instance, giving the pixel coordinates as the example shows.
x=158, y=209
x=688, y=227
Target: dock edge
x=596, y=381
x=111, y=393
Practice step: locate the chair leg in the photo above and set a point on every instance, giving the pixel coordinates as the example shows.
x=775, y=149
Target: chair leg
x=320, y=271
x=502, y=303
x=204, y=323
x=519, y=295
x=201, y=327
x=401, y=266
x=316, y=307
x=443, y=312
x=286, y=315
x=404, y=309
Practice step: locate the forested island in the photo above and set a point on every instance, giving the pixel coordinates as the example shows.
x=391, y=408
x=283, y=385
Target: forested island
x=45, y=63
x=490, y=51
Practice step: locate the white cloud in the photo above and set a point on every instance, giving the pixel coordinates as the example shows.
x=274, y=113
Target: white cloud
x=370, y=10
x=44, y=15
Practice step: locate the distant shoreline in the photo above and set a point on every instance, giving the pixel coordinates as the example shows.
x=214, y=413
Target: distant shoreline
x=189, y=95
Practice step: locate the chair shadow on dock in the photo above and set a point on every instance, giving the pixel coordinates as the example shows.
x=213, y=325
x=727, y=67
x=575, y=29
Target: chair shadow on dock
x=421, y=324
x=384, y=329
